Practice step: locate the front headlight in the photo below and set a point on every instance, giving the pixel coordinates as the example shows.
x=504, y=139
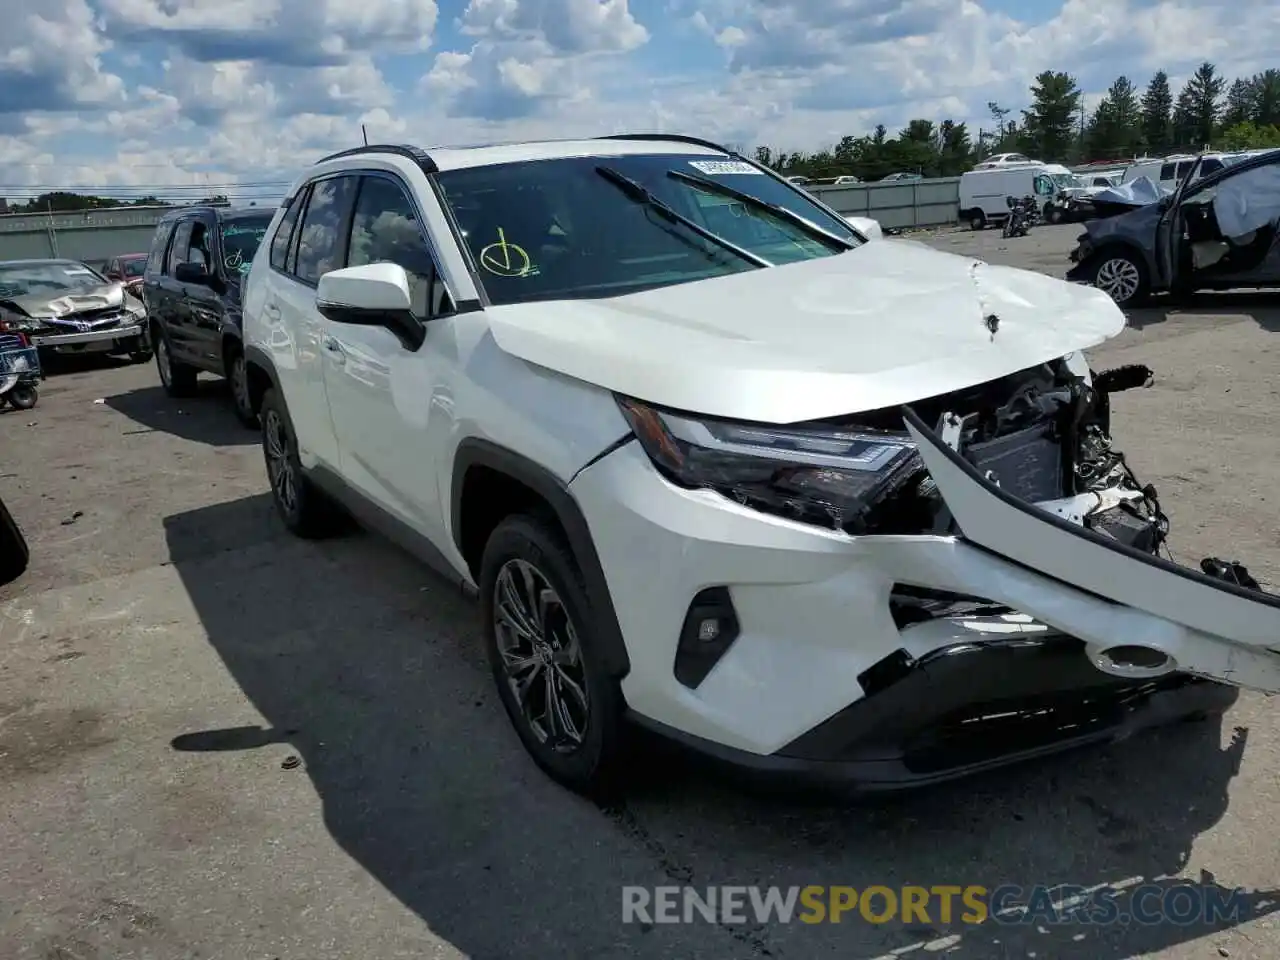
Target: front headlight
x=859, y=481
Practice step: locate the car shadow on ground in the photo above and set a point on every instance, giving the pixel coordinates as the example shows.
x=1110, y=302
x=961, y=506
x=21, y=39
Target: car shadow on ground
x=207, y=417
x=1262, y=308
x=371, y=669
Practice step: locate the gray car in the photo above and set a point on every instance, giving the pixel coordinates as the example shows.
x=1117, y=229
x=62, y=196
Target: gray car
x=1215, y=232
x=65, y=306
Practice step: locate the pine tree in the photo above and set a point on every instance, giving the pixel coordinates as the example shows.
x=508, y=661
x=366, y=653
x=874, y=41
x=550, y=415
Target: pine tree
x=1157, y=107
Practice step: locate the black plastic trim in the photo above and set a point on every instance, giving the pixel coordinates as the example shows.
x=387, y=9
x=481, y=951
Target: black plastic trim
x=474, y=452
x=408, y=151
x=370, y=515
x=670, y=138
x=695, y=658
x=1084, y=533
x=255, y=355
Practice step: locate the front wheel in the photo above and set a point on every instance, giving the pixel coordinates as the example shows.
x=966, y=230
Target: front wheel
x=23, y=397
x=565, y=707
x=1122, y=277
x=140, y=356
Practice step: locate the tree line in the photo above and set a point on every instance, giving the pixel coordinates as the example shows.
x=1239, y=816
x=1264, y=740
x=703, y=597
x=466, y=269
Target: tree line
x=60, y=201
x=1208, y=113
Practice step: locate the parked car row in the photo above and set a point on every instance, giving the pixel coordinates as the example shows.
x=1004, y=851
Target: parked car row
x=716, y=460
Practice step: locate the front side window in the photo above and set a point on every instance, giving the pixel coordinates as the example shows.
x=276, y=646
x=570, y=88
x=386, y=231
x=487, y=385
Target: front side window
x=159, y=244
x=582, y=227
x=178, y=249
x=384, y=229
x=1043, y=185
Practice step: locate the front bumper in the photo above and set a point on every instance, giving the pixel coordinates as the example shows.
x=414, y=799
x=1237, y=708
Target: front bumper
x=122, y=339
x=823, y=679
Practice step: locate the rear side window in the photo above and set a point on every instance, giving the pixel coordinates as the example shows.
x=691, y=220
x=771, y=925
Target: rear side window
x=159, y=244
x=1210, y=165
x=322, y=243
x=283, y=239
x=1168, y=171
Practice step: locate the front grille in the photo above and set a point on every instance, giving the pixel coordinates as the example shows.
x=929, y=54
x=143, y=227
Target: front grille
x=87, y=321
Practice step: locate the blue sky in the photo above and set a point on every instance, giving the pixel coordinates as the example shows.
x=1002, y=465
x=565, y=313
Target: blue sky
x=205, y=93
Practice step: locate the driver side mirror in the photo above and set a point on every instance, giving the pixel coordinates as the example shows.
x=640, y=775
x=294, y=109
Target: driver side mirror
x=373, y=295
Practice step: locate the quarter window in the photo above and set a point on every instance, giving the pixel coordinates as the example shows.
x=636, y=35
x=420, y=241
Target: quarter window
x=322, y=241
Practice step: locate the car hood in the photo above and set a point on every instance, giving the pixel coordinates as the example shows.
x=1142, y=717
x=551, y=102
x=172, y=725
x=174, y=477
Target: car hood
x=56, y=305
x=887, y=323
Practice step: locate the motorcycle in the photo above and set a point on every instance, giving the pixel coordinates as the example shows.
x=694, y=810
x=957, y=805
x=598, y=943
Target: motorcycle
x=20, y=371
x=1023, y=215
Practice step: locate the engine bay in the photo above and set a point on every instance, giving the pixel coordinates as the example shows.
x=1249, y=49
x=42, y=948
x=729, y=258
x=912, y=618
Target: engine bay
x=1042, y=435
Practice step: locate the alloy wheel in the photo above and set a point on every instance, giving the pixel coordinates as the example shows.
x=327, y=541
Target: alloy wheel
x=541, y=656
x=162, y=361
x=1118, y=278
x=240, y=385
x=280, y=470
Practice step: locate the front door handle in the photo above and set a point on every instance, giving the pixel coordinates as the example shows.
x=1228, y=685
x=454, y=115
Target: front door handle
x=334, y=349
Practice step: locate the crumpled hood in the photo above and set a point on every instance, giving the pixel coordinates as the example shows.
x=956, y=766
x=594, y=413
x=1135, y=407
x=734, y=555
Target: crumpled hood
x=890, y=322
x=65, y=304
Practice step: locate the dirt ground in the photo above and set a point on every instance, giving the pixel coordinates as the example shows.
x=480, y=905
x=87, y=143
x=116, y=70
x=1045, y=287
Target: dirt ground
x=219, y=742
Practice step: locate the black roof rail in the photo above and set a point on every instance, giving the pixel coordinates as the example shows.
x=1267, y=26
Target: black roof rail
x=416, y=154
x=670, y=137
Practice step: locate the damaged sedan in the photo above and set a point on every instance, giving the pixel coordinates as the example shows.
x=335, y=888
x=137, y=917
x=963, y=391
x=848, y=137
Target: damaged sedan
x=1214, y=232
x=65, y=306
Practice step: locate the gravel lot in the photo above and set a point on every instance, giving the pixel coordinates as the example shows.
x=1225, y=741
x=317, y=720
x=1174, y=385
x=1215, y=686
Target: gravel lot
x=171, y=648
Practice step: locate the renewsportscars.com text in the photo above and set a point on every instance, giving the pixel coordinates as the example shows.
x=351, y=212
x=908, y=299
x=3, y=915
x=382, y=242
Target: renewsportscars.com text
x=1147, y=904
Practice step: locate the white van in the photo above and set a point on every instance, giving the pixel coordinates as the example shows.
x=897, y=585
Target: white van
x=1169, y=171
x=983, y=190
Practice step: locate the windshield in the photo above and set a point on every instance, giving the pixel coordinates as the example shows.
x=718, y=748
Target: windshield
x=45, y=277
x=1067, y=180
x=557, y=229
x=241, y=238
x=134, y=267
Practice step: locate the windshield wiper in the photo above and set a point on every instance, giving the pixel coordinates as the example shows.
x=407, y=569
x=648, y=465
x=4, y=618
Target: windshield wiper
x=640, y=194
x=777, y=210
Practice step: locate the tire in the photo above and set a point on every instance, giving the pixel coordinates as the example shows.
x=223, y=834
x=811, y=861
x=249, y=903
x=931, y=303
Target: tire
x=23, y=396
x=1006, y=230
x=585, y=754
x=1122, y=276
x=1053, y=214
x=238, y=380
x=178, y=379
x=977, y=220
x=140, y=356
x=304, y=509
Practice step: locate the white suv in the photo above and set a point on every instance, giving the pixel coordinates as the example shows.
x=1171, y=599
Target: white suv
x=718, y=466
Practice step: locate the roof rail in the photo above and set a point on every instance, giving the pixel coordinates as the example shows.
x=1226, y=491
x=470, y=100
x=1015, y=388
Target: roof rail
x=672, y=137
x=416, y=154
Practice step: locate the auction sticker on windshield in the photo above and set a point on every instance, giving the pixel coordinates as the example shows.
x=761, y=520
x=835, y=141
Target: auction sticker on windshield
x=722, y=167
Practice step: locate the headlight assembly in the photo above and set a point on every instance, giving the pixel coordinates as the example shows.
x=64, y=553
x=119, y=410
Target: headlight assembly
x=860, y=481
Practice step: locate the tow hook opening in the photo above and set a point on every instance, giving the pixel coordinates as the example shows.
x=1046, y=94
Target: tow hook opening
x=1132, y=660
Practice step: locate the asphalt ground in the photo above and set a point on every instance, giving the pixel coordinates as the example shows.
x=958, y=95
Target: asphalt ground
x=218, y=742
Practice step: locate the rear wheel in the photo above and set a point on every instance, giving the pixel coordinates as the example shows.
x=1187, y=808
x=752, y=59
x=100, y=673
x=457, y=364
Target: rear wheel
x=565, y=707
x=305, y=510
x=977, y=220
x=238, y=378
x=1122, y=276
x=178, y=379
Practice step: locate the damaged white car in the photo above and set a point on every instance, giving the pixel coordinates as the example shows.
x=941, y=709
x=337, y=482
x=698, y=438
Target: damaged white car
x=718, y=466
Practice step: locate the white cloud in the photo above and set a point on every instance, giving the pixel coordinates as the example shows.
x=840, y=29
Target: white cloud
x=173, y=91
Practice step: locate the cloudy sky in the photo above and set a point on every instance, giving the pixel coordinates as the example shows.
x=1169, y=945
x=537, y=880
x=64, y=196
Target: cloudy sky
x=209, y=92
